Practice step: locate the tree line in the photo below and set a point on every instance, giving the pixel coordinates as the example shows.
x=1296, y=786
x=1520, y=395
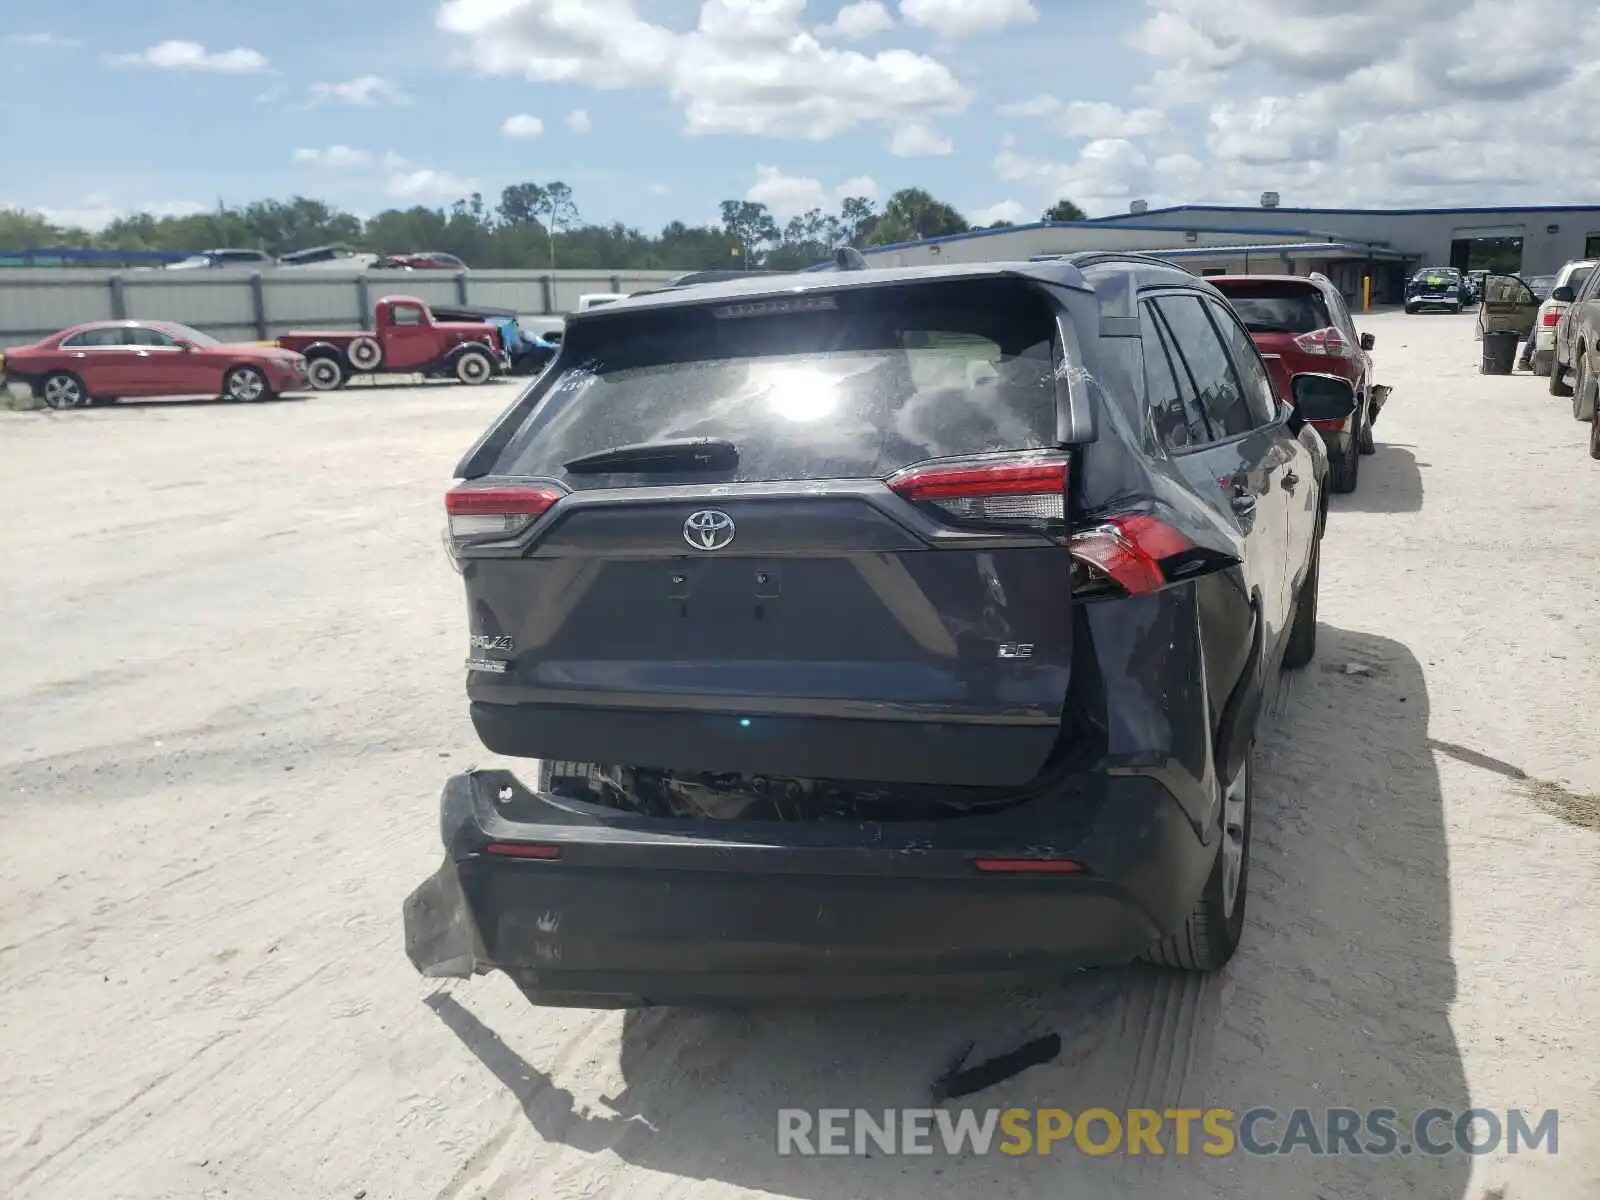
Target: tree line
x=533, y=225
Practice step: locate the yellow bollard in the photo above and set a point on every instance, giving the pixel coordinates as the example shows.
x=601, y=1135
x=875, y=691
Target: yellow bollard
x=1366, y=293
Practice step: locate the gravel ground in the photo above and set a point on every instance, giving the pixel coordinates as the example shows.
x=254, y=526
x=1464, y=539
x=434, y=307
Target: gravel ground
x=231, y=691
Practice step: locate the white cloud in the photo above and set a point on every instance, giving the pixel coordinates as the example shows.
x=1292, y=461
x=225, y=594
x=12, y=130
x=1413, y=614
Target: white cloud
x=425, y=183
x=658, y=189
x=1103, y=177
x=964, y=18
x=862, y=19
x=1006, y=210
x=394, y=162
x=337, y=156
x=789, y=195
x=365, y=91
x=1039, y=106
x=786, y=195
x=1096, y=119
x=522, y=126
x=578, y=121
x=1375, y=102
x=748, y=66
x=42, y=40
x=192, y=56
x=864, y=186
x=95, y=211
x=917, y=140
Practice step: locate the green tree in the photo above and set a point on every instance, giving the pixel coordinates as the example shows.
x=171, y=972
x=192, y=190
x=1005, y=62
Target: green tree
x=912, y=214
x=751, y=226
x=558, y=211
x=1064, y=210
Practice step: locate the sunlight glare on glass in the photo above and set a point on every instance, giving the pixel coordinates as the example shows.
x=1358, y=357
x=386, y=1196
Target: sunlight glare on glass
x=801, y=395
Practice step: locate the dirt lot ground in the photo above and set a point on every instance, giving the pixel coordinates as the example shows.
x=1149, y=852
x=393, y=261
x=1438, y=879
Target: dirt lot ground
x=231, y=690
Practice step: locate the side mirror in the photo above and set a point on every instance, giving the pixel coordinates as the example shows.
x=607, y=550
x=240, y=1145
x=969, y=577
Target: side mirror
x=1323, y=397
x=1368, y=341
x=1563, y=294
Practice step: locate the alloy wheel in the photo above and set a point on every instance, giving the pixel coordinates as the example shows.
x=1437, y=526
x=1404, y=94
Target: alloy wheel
x=63, y=391
x=245, y=385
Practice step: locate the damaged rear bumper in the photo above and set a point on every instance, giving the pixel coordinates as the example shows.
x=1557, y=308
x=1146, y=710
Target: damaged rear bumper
x=621, y=910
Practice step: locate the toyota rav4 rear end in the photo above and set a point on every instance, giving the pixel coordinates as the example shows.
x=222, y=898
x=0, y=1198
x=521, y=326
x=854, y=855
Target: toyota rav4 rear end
x=865, y=674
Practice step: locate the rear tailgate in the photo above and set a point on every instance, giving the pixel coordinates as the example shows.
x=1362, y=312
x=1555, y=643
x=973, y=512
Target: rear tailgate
x=792, y=614
x=1277, y=312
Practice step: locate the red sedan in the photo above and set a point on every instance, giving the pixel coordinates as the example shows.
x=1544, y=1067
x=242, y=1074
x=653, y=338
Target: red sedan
x=109, y=360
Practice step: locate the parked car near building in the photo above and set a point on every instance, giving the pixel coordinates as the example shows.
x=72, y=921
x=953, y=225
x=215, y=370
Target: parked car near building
x=527, y=351
x=259, y=259
x=1575, y=360
x=1436, y=287
x=406, y=339
x=1569, y=280
x=1301, y=325
x=336, y=258
x=106, y=361
x=428, y=260
x=904, y=661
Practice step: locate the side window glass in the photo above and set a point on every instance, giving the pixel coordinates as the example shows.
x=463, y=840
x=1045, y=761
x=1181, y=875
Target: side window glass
x=1216, y=382
x=405, y=314
x=1252, y=371
x=149, y=337
x=1173, y=405
x=109, y=336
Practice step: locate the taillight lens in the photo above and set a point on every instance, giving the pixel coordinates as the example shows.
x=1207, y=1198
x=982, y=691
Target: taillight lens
x=1328, y=342
x=1550, y=318
x=492, y=514
x=1130, y=555
x=1028, y=493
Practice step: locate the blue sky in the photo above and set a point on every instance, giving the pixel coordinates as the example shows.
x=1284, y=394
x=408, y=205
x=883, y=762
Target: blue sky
x=998, y=106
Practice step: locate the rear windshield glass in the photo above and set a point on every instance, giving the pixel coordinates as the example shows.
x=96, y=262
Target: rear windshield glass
x=875, y=379
x=1277, y=307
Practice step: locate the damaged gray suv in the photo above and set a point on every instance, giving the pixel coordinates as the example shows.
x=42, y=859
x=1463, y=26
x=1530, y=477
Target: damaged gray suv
x=878, y=630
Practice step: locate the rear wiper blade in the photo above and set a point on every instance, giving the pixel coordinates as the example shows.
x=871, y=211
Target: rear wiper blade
x=685, y=454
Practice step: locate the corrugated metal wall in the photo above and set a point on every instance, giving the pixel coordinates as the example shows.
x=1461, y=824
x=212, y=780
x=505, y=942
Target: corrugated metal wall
x=242, y=306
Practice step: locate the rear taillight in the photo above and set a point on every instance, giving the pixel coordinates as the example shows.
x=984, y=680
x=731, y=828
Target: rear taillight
x=1550, y=318
x=492, y=514
x=1328, y=342
x=1130, y=555
x=1028, y=493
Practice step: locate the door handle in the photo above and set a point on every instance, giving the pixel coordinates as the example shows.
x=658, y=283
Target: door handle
x=1290, y=481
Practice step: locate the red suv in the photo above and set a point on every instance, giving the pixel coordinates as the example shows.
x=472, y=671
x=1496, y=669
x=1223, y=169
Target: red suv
x=1300, y=324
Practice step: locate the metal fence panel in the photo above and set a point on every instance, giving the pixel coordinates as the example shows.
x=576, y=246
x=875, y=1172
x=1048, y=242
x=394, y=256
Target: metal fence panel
x=245, y=305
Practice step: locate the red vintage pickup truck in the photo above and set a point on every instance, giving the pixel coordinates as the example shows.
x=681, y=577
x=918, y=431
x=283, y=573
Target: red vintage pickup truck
x=405, y=339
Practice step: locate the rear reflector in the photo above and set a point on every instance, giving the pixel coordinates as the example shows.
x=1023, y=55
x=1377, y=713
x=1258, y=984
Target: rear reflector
x=1028, y=866
x=1327, y=341
x=1029, y=493
x=495, y=513
x=528, y=850
x=1124, y=556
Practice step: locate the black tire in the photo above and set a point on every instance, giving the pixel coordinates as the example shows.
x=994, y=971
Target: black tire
x=325, y=373
x=1582, y=388
x=473, y=367
x=1540, y=363
x=1594, y=437
x=1302, y=645
x=1346, y=472
x=245, y=385
x=1411, y=310
x=62, y=390
x=1368, y=446
x=1558, y=377
x=1210, y=935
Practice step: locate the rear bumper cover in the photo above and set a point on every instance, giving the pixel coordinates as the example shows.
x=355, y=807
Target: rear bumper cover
x=638, y=911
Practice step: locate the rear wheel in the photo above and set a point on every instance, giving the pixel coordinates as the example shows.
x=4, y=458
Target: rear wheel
x=1583, y=389
x=1594, y=437
x=1211, y=933
x=1346, y=471
x=1558, y=377
x=474, y=367
x=365, y=354
x=1302, y=647
x=62, y=390
x=246, y=385
x=1368, y=446
x=325, y=373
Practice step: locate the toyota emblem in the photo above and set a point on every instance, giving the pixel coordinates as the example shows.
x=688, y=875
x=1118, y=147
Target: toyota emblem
x=708, y=529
